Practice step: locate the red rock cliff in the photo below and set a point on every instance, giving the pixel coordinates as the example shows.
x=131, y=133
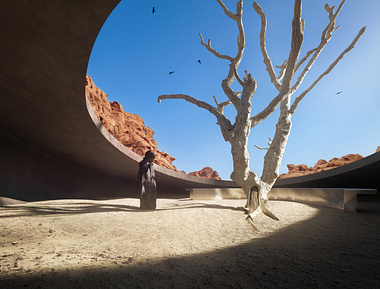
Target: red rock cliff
x=127, y=128
x=206, y=172
x=130, y=130
x=321, y=165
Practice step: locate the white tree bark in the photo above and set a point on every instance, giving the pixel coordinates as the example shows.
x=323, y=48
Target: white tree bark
x=237, y=133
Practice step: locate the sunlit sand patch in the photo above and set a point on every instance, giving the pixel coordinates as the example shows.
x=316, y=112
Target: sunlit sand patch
x=61, y=234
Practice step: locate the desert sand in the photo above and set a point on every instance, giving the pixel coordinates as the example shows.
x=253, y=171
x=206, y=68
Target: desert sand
x=185, y=244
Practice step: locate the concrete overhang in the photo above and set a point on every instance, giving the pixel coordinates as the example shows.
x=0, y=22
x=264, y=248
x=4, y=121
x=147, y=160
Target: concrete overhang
x=52, y=145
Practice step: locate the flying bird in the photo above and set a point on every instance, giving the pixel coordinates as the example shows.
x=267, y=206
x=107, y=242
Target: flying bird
x=339, y=92
x=171, y=72
x=199, y=61
x=153, y=10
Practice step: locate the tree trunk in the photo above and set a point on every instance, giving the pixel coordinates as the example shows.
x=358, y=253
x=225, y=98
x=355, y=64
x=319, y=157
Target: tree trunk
x=255, y=189
x=253, y=200
x=243, y=175
x=273, y=158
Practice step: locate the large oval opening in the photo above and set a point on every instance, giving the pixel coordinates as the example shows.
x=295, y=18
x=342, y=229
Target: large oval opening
x=140, y=55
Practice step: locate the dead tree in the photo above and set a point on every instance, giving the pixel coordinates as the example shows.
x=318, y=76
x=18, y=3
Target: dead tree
x=237, y=133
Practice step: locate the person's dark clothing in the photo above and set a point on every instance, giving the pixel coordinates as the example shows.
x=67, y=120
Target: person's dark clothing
x=147, y=181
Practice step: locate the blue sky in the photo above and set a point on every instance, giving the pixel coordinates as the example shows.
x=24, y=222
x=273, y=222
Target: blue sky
x=135, y=51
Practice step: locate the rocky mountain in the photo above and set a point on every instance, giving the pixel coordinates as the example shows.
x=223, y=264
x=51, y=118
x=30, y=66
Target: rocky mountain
x=206, y=172
x=321, y=165
x=130, y=130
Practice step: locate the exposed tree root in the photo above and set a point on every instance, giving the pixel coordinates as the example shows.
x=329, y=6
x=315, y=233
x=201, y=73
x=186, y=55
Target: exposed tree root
x=271, y=215
x=255, y=205
x=267, y=212
x=250, y=221
x=262, y=208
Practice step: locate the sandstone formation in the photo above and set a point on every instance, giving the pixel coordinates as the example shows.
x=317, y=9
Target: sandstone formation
x=321, y=165
x=127, y=128
x=130, y=130
x=206, y=172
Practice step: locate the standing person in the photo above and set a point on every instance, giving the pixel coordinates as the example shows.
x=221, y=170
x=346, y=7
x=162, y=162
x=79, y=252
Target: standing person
x=147, y=181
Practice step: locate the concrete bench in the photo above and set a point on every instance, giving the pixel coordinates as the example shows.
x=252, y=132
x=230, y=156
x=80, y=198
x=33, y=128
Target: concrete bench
x=340, y=198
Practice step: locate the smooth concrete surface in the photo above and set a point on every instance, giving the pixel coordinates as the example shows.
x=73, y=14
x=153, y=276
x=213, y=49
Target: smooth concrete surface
x=340, y=198
x=51, y=145
x=216, y=193
x=30, y=174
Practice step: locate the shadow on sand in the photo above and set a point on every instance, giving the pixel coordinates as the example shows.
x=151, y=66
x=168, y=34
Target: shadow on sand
x=87, y=207
x=343, y=251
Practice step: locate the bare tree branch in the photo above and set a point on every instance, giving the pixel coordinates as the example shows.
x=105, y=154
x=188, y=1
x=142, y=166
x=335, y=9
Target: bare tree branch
x=241, y=35
x=325, y=38
x=223, y=122
x=232, y=74
x=226, y=83
x=238, y=18
x=241, y=82
x=327, y=71
x=250, y=86
x=296, y=44
x=329, y=9
x=269, y=143
x=226, y=11
x=331, y=26
x=220, y=106
x=267, y=61
x=272, y=106
x=213, y=51
x=282, y=70
x=261, y=148
x=310, y=52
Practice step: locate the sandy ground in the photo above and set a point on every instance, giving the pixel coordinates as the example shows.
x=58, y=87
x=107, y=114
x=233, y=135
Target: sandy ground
x=185, y=244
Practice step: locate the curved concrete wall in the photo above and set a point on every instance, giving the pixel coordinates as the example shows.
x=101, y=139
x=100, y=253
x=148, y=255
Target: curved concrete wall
x=44, y=127
x=363, y=173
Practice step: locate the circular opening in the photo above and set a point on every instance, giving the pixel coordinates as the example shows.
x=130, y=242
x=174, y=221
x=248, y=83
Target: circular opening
x=140, y=55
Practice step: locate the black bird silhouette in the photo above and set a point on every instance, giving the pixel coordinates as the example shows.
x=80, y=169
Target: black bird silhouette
x=199, y=61
x=153, y=10
x=339, y=92
x=171, y=72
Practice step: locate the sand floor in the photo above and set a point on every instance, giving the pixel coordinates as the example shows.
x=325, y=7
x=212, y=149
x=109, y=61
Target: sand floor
x=185, y=244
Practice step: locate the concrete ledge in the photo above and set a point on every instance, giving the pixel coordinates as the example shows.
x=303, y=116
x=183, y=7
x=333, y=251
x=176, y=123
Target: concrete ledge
x=215, y=193
x=340, y=198
x=9, y=201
